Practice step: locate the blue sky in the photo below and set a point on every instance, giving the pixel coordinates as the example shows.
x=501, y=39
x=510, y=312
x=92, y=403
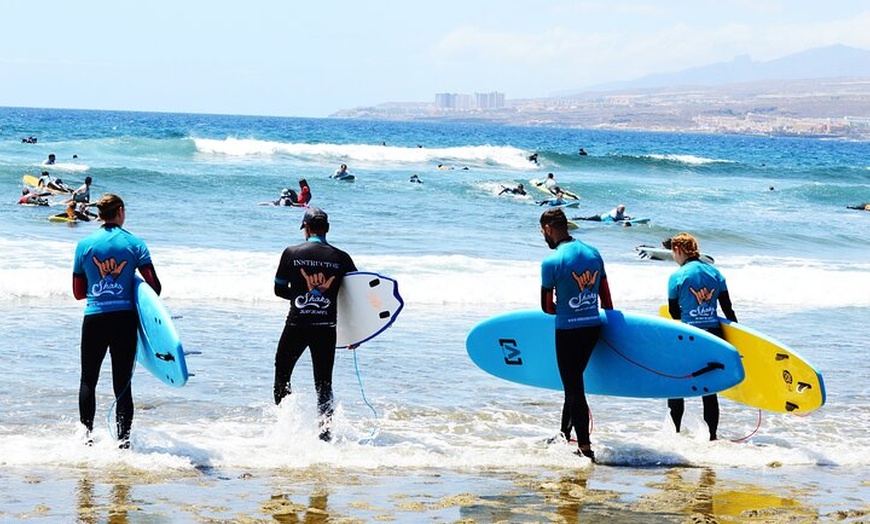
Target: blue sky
x=293, y=58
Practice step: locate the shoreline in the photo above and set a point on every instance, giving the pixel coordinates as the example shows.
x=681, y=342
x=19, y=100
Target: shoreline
x=321, y=494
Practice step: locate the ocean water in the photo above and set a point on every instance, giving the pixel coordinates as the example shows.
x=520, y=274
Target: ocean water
x=421, y=432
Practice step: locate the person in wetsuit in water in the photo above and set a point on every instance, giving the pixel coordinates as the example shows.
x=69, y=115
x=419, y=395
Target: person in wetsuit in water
x=693, y=292
x=309, y=275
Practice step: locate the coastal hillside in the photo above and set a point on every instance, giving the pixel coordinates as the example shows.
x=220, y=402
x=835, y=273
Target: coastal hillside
x=823, y=92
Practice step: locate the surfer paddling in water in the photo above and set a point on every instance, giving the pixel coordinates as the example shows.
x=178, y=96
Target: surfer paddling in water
x=103, y=273
x=575, y=275
x=309, y=275
x=693, y=292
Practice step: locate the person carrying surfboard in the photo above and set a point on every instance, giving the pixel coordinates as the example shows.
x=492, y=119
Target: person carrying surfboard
x=693, y=292
x=573, y=282
x=104, y=268
x=309, y=275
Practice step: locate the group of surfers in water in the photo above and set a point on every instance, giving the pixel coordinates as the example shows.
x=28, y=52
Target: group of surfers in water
x=77, y=200
x=561, y=198
x=290, y=197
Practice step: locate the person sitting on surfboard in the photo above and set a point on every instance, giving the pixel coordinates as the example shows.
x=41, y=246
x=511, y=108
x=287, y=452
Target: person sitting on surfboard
x=550, y=182
x=693, y=293
x=341, y=172
x=304, y=193
x=288, y=198
x=69, y=213
x=309, y=275
x=573, y=281
x=104, y=271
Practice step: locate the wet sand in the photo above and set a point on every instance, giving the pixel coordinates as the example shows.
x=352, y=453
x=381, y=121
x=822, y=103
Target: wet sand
x=313, y=495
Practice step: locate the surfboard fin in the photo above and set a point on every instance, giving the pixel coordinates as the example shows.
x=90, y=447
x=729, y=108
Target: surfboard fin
x=791, y=406
x=803, y=386
x=781, y=356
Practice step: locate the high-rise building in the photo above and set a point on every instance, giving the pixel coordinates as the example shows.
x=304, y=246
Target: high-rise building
x=493, y=100
x=464, y=102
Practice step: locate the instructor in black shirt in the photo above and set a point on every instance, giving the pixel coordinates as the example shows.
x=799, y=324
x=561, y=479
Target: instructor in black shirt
x=309, y=276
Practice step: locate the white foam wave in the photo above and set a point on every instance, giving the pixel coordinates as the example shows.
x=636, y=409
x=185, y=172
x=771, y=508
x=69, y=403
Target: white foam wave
x=269, y=437
x=64, y=166
x=689, y=159
x=370, y=155
x=188, y=274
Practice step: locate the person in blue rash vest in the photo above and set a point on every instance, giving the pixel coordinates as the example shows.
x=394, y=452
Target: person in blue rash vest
x=103, y=272
x=309, y=275
x=693, y=292
x=575, y=272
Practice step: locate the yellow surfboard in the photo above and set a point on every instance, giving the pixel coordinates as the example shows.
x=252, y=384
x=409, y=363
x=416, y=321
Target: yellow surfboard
x=63, y=218
x=30, y=180
x=777, y=378
x=539, y=184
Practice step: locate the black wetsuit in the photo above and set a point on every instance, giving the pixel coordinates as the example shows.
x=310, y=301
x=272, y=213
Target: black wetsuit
x=311, y=321
x=117, y=332
x=573, y=350
x=677, y=406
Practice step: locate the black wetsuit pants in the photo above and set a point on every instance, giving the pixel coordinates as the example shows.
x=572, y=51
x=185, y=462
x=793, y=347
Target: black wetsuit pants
x=321, y=341
x=573, y=350
x=677, y=406
x=115, y=332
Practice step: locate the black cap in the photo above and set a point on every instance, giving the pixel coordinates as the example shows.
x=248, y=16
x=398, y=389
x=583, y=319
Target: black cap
x=314, y=214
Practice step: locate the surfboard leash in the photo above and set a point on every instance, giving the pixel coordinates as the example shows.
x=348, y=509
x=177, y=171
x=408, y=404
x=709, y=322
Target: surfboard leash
x=363, y=395
x=757, y=426
x=709, y=367
x=112, y=407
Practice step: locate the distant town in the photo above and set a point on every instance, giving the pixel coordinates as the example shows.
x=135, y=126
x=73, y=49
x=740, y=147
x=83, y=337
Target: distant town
x=827, y=108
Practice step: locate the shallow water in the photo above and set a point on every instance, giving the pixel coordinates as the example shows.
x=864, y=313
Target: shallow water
x=421, y=432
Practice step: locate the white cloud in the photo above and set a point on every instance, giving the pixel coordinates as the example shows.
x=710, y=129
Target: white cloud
x=568, y=58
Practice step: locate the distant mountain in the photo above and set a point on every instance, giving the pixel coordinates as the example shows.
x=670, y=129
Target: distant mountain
x=822, y=62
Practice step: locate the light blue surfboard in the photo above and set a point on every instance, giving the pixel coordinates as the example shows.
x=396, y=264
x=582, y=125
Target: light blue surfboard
x=636, y=356
x=630, y=221
x=158, y=348
x=368, y=303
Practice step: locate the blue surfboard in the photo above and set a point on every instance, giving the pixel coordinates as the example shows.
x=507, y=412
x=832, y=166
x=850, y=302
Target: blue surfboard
x=158, y=348
x=609, y=220
x=636, y=356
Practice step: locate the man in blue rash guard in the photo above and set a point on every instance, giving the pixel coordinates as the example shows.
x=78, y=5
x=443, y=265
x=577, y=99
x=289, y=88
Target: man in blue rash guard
x=575, y=272
x=103, y=272
x=309, y=275
x=693, y=292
